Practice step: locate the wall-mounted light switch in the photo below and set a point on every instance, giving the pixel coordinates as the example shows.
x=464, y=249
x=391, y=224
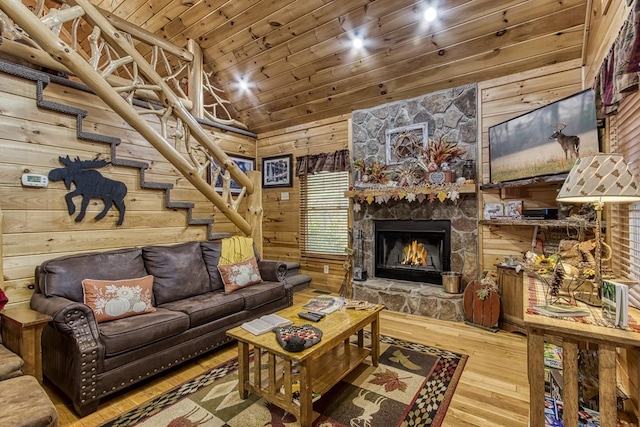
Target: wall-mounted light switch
x=284, y=195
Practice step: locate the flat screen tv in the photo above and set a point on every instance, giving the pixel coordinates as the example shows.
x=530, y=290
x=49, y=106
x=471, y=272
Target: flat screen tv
x=545, y=141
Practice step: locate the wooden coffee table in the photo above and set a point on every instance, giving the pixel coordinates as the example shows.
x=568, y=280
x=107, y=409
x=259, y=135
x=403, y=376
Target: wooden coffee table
x=320, y=367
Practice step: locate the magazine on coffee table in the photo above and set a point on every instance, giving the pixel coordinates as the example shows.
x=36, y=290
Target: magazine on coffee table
x=325, y=304
x=266, y=323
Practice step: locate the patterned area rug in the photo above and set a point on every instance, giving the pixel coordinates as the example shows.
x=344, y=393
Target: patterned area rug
x=412, y=386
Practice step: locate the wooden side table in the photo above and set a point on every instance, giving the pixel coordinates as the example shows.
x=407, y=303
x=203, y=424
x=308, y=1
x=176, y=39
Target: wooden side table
x=511, y=288
x=21, y=332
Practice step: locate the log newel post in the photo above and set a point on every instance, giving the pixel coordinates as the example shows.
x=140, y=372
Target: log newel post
x=194, y=85
x=254, y=209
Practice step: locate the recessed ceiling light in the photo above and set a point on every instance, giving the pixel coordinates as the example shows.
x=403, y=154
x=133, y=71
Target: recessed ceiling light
x=430, y=14
x=357, y=42
x=243, y=84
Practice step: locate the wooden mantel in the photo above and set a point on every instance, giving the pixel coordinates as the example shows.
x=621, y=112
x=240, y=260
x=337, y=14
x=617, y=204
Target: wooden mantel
x=462, y=189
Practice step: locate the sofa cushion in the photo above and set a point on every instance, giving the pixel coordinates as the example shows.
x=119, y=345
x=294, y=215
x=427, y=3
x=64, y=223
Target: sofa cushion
x=23, y=402
x=63, y=276
x=10, y=363
x=207, y=307
x=239, y=275
x=211, y=255
x=132, y=332
x=115, y=299
x=264, y=293
x=178, y=270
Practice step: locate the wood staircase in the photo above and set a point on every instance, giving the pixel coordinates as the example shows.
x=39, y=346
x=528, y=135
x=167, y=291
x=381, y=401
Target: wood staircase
x=41, y=81
x=114, y=54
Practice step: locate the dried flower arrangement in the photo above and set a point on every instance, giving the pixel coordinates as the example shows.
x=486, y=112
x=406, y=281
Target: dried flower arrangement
x=375, y=172
x=438, y=153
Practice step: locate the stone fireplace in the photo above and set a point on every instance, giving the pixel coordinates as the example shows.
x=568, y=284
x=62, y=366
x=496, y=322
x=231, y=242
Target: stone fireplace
x=379, y=242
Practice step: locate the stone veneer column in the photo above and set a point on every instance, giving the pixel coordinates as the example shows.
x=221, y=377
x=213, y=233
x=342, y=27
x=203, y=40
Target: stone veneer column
x=450, y=114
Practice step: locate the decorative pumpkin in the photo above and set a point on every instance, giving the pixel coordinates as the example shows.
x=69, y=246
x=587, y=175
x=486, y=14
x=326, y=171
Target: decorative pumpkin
x=117, y=306
x=139, y=307
x=481, y=304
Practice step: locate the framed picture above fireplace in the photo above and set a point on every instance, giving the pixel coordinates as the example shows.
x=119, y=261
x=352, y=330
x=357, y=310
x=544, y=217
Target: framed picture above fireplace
x=405, y=143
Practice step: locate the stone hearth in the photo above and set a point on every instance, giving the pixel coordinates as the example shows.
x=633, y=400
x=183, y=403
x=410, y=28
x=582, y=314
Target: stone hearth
x=410, y=297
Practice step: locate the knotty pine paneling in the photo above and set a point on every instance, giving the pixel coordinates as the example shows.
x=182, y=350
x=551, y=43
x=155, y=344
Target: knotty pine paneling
x=500, y=100
x=36, y=223
x=281, y=221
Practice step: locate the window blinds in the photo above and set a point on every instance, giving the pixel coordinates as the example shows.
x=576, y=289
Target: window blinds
x=324, y=213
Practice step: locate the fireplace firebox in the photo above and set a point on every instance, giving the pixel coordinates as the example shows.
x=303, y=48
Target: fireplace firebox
x=417, y=251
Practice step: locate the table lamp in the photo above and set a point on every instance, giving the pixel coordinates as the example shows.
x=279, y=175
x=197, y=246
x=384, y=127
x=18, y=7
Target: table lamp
x=599, y=179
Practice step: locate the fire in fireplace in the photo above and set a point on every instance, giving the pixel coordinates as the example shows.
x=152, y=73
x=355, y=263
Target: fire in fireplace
x=414, y=254
x=418, y=251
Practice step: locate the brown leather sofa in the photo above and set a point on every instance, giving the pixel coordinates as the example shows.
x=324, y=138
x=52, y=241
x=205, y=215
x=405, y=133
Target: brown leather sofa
x=87, y=360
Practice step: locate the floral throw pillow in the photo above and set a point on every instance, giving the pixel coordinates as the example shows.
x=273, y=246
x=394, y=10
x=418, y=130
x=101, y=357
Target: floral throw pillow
x=239, y=275
x=115, y=299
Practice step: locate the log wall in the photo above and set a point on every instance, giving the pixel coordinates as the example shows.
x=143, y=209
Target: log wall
x=281, y=225
x=36, y=224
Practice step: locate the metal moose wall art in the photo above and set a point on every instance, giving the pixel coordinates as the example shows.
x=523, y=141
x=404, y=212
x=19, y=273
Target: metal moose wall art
x=89, y=184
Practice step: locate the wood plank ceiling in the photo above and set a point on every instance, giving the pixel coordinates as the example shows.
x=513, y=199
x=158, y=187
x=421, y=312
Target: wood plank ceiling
x=297, y=56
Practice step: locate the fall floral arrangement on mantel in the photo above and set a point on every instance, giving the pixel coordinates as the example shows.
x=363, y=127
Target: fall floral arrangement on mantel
x=427, y=177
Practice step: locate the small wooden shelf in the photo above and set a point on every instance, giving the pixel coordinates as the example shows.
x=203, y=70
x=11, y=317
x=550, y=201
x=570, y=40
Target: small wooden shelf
x=554, y=179
x=538, y=222
x=462, y=189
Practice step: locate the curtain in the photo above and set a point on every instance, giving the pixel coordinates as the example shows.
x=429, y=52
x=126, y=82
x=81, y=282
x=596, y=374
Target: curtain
x=618, y=76
x=338, y=161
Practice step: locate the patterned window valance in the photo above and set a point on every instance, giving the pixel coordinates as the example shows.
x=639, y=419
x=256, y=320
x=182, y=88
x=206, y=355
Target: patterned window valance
x=618, y=75
x=337, y=161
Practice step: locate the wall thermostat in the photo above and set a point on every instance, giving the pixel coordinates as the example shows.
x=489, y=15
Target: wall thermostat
x=34, y=180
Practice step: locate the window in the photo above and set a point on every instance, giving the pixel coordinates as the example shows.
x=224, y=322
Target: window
x=623, y=225
x=324, y=213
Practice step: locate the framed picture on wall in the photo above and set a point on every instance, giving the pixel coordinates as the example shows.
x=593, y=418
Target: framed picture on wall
x=405, y=143
x=244, y=163
x=277, y=171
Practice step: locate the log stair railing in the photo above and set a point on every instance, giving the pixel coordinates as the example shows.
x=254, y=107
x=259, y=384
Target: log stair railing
x=41, y=81
x=113, y=55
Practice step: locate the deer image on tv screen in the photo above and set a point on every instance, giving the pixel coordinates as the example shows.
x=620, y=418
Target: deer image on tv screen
x=569, y=143
x=545, y=141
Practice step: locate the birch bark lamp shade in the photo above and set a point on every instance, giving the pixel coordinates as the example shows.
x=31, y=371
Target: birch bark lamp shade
x=601, y=178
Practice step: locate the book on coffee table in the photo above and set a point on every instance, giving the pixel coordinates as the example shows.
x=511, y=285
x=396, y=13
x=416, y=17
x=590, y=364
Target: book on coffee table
x=265, y=324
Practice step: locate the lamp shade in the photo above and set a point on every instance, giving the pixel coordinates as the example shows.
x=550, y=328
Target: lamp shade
x=600, y=178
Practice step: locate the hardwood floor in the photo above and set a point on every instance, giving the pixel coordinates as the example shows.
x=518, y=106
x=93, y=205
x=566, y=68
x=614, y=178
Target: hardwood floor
x=493, y=390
